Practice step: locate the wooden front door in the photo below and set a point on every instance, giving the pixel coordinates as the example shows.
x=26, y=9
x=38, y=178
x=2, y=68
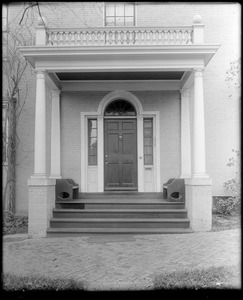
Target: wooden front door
x=120, y=154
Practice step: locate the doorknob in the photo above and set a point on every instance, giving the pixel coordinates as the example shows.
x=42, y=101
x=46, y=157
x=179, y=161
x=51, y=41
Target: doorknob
x=106, y=159
x=120, y=137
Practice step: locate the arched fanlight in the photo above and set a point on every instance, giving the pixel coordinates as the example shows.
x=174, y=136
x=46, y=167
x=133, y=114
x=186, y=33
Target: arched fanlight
x=120, y=108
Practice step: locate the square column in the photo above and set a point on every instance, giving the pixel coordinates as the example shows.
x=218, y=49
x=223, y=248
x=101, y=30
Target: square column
x=199, y=187
x=41, y=204
x=41, y=188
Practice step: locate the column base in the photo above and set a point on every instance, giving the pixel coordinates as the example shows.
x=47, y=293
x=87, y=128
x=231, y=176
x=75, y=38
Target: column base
x=199, y=203
x=41, y=204
x=55, y=176
x=184, y=176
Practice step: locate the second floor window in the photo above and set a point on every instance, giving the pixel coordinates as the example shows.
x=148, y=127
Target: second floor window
x=119, y=14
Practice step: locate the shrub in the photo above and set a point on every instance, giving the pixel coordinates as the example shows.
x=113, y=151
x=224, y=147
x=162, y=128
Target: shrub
x=12, y=223
x=231, y=204
x=226, y=206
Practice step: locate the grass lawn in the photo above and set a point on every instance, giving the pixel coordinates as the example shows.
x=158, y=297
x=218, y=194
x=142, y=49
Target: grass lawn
x=28, y=283
x=210, y=278
x=225, y=222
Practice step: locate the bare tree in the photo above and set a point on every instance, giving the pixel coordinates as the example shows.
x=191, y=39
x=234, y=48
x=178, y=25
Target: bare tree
x=20, y=32
x=15, y=90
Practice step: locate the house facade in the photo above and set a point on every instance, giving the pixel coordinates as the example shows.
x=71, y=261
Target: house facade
x=125, y=96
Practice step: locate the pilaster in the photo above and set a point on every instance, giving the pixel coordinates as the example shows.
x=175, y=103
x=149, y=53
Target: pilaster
x=55, y=136
x=185, y=134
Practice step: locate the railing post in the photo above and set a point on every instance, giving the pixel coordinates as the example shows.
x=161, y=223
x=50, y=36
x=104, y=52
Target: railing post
x=41, y=34
x=198, y=29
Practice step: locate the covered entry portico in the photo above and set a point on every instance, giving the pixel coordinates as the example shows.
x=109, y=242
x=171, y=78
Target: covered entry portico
x=174, y=65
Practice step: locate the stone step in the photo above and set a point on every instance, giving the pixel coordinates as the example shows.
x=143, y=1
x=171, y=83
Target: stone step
x=77, y=232
x=121, y=195
x=119, y=204
x=119, y=223
x=119, y=213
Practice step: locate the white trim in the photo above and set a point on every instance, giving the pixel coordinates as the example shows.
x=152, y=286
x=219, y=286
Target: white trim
x=99, y=114
x=118, y=94
x=185, y=134
x=134, y=85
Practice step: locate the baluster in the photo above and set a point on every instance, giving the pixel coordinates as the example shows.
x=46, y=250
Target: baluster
x=81, y=36
x=55, y=38
x=131, y=40
x=166, y=37
x=72, y=38
x=98, y=37
x=151, y=38
x=156, y=37
x=61, y=38
x=104, y=35
x=160, y=38
x=92, y=35
x=189, y=37
x=122, y=36
x=171, y=37
x=118, y=38
x=113, y=37
x=86, y=37
x=78, y=38
x=64, y=38
x=127, y=37
x=145, y=37
x=183, y=37
x=137, y=37
x=109, y=37
x=142, y=37
x=177, y=36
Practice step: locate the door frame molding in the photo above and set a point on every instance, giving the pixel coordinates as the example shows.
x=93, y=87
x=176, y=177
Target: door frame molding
x=99, y=169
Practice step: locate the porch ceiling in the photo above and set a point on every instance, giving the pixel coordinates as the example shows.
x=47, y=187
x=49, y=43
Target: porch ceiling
x=167, y=75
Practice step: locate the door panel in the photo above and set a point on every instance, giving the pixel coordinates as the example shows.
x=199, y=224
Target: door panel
x=120, y=154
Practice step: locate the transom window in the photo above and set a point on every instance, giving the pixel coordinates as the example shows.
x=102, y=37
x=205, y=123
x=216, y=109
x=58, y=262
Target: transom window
x=120, y=108
x=119, y=14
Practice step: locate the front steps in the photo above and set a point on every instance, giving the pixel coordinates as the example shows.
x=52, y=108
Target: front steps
x=118, y=213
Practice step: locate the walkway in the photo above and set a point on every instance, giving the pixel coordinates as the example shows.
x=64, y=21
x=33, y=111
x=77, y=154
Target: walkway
x=120, y=262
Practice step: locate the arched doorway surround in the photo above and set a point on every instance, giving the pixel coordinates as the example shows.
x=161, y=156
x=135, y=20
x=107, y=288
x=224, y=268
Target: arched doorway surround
x=93, y=177
x=120, y=146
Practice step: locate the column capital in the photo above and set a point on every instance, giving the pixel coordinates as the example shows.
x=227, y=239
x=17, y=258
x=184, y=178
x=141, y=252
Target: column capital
x=198, y=71
x=40, y=72
x=185, y=92
x=55, y=93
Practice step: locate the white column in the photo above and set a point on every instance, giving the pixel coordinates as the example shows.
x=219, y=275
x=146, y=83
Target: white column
x=55, y=136
x=199, y=170
x=185, y=134
x=40, y=126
